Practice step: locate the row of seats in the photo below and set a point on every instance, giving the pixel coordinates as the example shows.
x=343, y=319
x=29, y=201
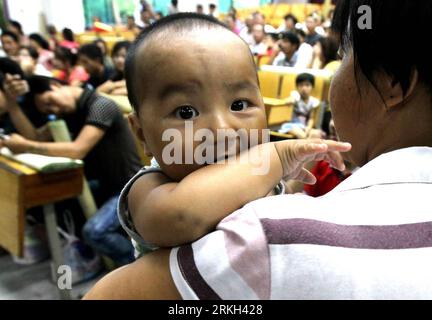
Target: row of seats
x=275, y=13
x=277, y=83
x=111, y=38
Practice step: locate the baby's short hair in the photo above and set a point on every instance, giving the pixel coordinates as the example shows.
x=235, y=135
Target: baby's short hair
x=305, y=77
x=176, y=23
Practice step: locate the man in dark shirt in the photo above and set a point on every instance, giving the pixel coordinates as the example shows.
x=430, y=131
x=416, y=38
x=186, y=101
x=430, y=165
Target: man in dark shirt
x=312, y=36
x=92, y=59
x=100, y=136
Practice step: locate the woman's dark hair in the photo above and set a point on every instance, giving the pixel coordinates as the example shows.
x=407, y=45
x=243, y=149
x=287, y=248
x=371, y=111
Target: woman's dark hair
x=92, y=51
x=10, y=34
x=305, y=77
x=39, y=40
x=17, y=25
x=329, y=47
x=32, y=52
x=66, y=55
x=120, y=45
x=68, y=34
x=380, y=48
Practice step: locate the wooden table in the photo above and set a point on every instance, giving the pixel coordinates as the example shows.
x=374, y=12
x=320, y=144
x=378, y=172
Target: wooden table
x=21, y=188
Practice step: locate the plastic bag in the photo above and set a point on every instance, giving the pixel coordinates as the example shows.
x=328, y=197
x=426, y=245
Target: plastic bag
x=85, y=264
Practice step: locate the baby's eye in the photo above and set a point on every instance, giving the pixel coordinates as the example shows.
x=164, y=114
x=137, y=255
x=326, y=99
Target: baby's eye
x=240, y=105
x=186, y=113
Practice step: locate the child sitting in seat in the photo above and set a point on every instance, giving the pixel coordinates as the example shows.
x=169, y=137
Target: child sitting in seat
x=302, y=122
x=202, y=83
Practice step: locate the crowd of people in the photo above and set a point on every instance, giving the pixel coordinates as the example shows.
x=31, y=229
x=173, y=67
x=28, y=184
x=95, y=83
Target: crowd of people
x=56, y=75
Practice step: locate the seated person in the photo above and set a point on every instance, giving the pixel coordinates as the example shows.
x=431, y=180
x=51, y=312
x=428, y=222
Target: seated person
x=325, y=55
x=312, y=26
x=16, y=28
x=131, y=26
x=41, y=45
x=28, y=59
x=67, y=69
x=10, y=44
x=90, y=56
x=101, y=43
x=302, y=122
x=305, y=51
x=9, y=67
x=176, y=202
x=117, y=85
x=259, y=46
x=69, y=40
x=285, y=51
x=100, y=137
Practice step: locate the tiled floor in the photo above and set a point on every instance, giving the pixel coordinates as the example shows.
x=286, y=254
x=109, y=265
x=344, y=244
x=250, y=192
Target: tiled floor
x=32, y=282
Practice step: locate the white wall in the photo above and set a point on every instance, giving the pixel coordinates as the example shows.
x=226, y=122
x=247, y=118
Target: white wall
x=65, y=13
x=27, y=12
x=32, y=14
x=190, y=5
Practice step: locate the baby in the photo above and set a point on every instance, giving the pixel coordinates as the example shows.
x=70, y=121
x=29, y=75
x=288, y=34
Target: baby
x=189, y=72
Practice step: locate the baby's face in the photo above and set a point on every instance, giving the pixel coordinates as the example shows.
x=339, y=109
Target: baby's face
x=205, y=79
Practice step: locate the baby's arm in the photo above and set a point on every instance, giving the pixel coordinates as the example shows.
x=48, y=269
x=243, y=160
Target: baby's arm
x=170, y=214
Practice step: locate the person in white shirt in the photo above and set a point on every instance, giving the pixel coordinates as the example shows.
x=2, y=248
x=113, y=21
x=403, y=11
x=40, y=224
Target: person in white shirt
x=370, y=238
x=258, y=47
x=246, y=31
x=305, y=51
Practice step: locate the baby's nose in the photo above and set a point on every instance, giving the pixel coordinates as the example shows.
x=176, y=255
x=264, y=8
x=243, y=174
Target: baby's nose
x=220, y=122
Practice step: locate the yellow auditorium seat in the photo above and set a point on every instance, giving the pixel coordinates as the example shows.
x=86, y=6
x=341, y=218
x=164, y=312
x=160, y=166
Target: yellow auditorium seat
x=277, y=111
x=263, y=60
x=269, y=84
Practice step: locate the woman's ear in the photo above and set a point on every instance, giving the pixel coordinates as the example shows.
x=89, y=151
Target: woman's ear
x=138, y=131
x=392, y=92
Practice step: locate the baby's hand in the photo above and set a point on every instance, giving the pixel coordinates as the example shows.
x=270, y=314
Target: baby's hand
x=296, y=153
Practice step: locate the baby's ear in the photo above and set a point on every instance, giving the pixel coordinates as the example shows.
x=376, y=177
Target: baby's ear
x=138, y=131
